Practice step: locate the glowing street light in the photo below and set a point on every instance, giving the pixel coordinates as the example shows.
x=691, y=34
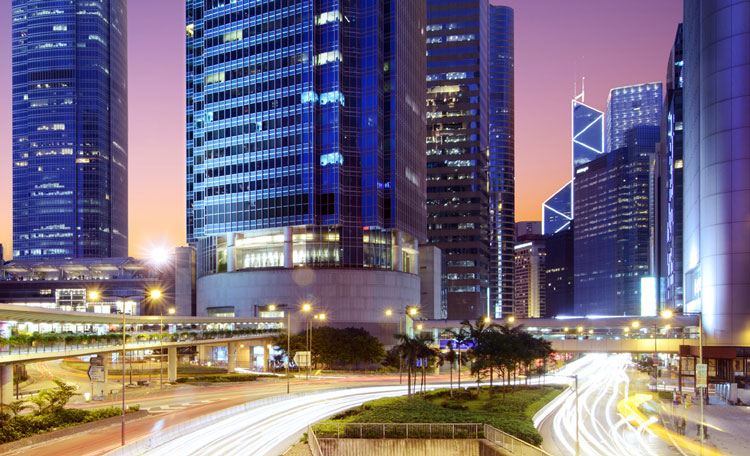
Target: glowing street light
x=667, y=313
x=272, y=307
x=636, y=324
x=388, y=312
x=511, y=319
x=487, y=319
x=413, y=311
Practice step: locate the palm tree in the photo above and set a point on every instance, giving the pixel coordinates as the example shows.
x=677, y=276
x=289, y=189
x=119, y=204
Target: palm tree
x=408, y=350
x=450, y=357
x=424, y=352
x=461, y=337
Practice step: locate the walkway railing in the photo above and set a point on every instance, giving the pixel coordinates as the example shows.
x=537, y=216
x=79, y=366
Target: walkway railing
x=134, y=340
x=495, y=436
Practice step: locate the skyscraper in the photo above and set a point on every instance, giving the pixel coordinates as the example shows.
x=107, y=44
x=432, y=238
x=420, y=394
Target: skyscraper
x=502, y=159
x=559, y=264
x=611, y=237
x=70, y=129
x=631, y=106
x=457, y=150
x=716, y=173
x=587, y=143
x=530, y=277
x=305, y=149
x=667, y=233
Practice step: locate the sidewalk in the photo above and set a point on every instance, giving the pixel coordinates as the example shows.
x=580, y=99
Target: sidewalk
x=728, y=426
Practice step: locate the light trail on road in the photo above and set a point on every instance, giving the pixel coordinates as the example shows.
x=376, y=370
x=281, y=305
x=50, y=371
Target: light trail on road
x=270, y=429
x=602, y=383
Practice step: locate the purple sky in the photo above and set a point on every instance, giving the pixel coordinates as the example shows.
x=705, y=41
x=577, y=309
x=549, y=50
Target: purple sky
x=610, y=43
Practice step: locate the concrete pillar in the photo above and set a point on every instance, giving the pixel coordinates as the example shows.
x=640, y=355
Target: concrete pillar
x=204, y=353
x=6, y=384
x=266, y=358
x=231, y=357
x=288, y=248
x=398, y=264
x=172, y=364
x=230, y=252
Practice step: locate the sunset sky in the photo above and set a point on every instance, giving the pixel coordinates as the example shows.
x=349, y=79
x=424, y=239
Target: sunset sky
x=557, y=42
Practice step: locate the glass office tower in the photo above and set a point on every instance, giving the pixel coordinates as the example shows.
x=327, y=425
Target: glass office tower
x=611, y=236
x=587, y=144
x=457, y=150
x=305, y=132
x=630, y=106
x=667, y=243
x=502, y=160
x=70, y=129
x=716, y=139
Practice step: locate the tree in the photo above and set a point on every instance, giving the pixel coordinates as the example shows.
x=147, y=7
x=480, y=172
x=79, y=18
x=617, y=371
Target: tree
x=450, y=357
x=461, y=337
x=408, y=348
x=16, y=407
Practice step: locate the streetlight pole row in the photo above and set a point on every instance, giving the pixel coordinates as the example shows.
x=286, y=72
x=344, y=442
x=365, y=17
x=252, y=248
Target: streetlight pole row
x=94, y=296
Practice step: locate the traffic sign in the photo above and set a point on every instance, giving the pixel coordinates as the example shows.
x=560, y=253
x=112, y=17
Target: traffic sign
x=96, y=373
x=701, y=375
x=96, y=361
x=302, y=359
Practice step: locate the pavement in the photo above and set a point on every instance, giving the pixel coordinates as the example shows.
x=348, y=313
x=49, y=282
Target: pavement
x=728, y=425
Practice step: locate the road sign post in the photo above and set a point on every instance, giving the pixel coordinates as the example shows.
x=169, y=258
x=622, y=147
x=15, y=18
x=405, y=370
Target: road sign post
x=302, y=359
x=701, y=375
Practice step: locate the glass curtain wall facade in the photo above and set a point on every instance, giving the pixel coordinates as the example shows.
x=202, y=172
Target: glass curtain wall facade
x=611, y=237
x=457, y=150
x=70, y=129
x=631, y=106
x=557, y=210
x=303, y=127
x=501, y=160
x=668, y=186
x=587, y=144
x=716, y=141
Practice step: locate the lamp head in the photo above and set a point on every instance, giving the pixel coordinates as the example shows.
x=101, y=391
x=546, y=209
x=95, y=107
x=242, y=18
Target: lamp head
x=511, y=319
x=667, y=313
x=413, y=311
x=388, y=312
x=272, y=307
x=155, y=294
x=306, y=307
x=93, y=295
x=420, y=326
x=487, y=319
x=636, y=324
x=171, y=311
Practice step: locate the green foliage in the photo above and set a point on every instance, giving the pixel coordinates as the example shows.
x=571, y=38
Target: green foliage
x=20, y=426
x=512, y=415
x=225, y=378
x=335, y=347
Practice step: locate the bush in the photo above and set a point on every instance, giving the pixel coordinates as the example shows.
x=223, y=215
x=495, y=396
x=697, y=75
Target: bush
x=511, y=414
x=227, y=378
x=21, y=426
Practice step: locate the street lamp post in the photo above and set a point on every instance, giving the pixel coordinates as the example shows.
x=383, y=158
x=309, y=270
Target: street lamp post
x=94, y=296
x=700, y=356
x=413, y=311
x=171, y=311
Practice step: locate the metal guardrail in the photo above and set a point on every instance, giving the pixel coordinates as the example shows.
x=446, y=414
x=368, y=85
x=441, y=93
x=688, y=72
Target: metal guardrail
x=312, y=441
x=512, y=444
x=475, y=431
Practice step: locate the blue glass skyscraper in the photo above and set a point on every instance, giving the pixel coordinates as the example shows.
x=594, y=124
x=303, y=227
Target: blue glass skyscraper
x=587, y=144
x=631, y=106
x=502, y=159
x=305, y=128
x=70, y=129
x=611, y=235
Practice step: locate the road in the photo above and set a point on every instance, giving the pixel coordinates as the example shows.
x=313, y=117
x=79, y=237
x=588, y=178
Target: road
x=186, y=402
x=270, y=429
x=603, y=384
